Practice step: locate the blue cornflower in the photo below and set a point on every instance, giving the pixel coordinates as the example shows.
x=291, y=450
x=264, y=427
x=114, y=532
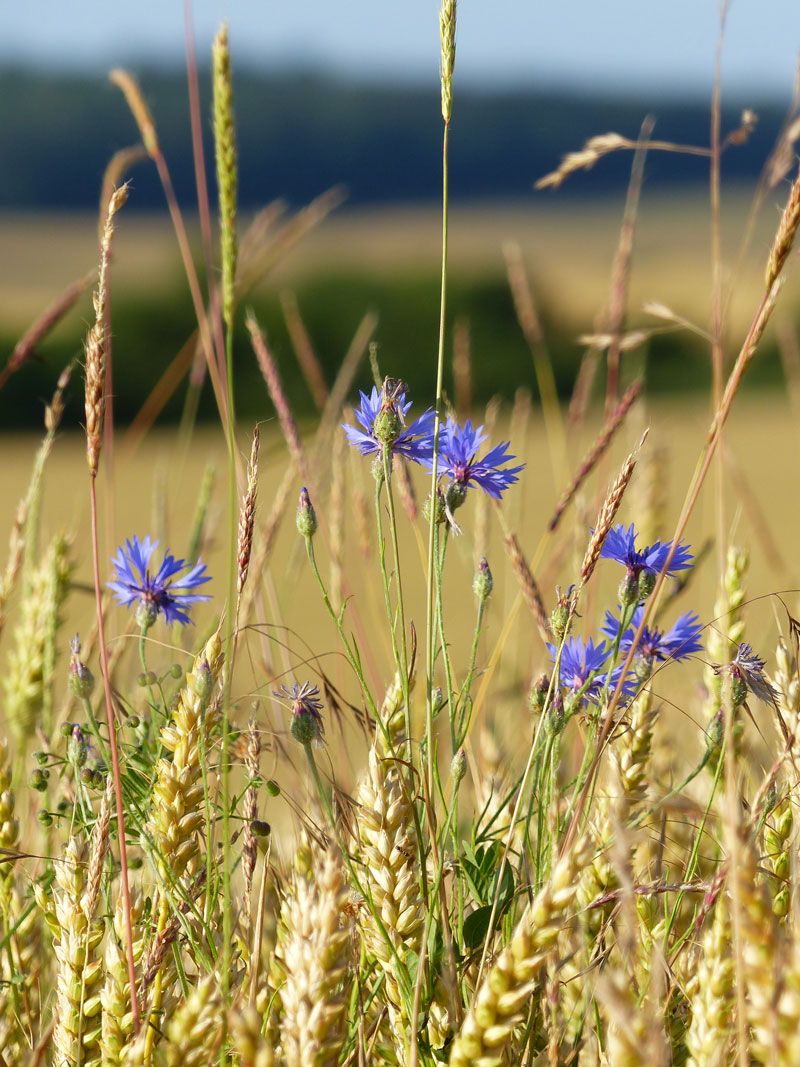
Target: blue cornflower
x=458, y=450
x=680, y=641
x=160, y=593
x=620, y=545
x=306, y=725
x=389, y=409
x=581, y=666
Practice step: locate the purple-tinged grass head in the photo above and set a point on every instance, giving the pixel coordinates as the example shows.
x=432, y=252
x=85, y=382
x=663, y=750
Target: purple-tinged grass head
x=458, y=459
x=414, y=442
x=680, y=641
x=165, y=591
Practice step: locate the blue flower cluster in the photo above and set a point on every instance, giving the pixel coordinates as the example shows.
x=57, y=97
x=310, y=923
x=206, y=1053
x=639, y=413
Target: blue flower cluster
x=584, y=666
x=458, y=445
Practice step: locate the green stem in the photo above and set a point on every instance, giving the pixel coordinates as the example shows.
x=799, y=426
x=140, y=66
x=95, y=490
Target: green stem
x=227, y=902
x=429, y=600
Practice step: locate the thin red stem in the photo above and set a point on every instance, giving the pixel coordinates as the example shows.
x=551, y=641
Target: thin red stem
x=112, y=736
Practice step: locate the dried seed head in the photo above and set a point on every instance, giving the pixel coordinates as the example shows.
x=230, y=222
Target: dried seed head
x=529, y=586
x=95, y=344
x=247, y=515
x=608, y=512
x=784, y=238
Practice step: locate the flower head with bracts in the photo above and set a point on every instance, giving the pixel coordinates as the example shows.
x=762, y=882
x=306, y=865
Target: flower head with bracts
x=458, y=459
x=382, y=418
x=168, y=590
x=680, y=641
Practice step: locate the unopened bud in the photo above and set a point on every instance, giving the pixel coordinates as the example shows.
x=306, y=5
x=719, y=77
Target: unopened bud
x=146, y=614
x=628, y=592
x=38, y=781
x=563, y=613
x=647, y=583
x=273, y=788
x=483, y=582
x=538, y=694
x=454, y=495
x=306, y=518
x=458, y=766
x=77, y=748
x=440, y=514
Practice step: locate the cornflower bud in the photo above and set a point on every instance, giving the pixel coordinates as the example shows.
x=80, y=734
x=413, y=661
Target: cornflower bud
x=538, y=694
x=628, y=592
x=146, y=615
x=306, y=516
x=77, y=749
x=483, y=582
x=647, y=583
x=454, y=496
x=563, y=613
x=440, y=512
x=81, y=679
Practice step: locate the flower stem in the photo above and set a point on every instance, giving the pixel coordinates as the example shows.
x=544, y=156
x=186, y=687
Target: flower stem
x=115, y=767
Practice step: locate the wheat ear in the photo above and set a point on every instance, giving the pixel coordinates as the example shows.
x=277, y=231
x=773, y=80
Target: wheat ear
x=500, y=1002
x=315, y=952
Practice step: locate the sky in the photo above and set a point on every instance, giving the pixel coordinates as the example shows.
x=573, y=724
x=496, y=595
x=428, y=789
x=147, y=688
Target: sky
x=615, y=44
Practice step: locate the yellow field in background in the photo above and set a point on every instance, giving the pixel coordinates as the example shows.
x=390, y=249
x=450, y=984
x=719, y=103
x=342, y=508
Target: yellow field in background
x=156, y=490
x=568, y=244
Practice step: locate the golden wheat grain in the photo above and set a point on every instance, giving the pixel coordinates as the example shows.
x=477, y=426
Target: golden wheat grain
x=708, y=1038
x=194, y=1034
x=315, y=956
x=501, y=1001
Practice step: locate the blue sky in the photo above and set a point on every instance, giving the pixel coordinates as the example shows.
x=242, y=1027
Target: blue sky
x=666, y=44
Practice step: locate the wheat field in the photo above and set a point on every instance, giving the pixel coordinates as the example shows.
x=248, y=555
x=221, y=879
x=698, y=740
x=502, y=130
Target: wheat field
x=419, y=731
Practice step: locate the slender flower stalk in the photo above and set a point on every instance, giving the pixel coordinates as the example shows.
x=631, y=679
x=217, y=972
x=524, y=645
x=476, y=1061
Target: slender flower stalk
x=95, y=346
x=447, y=28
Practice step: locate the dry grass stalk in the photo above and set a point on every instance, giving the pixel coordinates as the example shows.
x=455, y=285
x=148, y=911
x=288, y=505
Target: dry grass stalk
x=26, y=347
x=784, y=238
x=138, y=106
x=227, y=173
x=529, y=586
x=16, y=551
x=500, y=1003
x=304, y=350
x=608, y=512
x=336, y=520
x=250, y=812
x=405, y=487
x=95, y=344
x=596, y=452
x=280, y=402
x=462, y=368
x=247, y=514
x=596, y=148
